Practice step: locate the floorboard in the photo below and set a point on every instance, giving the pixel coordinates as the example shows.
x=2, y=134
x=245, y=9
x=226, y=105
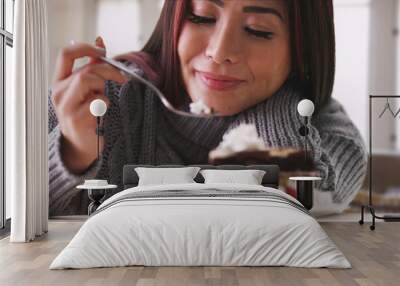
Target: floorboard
x=374, y=255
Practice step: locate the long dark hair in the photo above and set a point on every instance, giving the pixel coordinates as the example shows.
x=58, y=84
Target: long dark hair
x=312, y=49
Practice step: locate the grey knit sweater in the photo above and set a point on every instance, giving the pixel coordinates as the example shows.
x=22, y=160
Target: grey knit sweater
x=139, y=130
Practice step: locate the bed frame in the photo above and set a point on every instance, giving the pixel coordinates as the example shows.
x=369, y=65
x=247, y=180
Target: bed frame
x=271, y=178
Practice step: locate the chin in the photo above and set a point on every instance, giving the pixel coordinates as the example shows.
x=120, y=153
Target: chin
x=228, y=112
x=226, y=103
x=225, y=109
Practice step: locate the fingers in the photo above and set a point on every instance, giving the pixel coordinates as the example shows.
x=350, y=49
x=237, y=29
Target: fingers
x=98, y=43
x=58, y=89
x=67, y=56
x=84, y=109
x=81, y=116
x=106, y=72
x=80, y=89
x=70, y=93
x=84, y=114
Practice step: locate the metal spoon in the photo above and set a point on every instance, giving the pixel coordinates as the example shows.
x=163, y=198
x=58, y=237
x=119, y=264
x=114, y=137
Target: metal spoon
x=163, y=99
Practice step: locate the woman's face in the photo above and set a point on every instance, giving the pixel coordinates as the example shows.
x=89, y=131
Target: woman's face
x=234, y=53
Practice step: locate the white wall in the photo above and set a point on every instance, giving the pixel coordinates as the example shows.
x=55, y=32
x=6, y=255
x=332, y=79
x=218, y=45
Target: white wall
x=352, y=24
x=397, y=33
x=121, y=33
x=125, y=25
x=69, y=20
x=398, y=47
x=133, y=26
x=382, y=68
x=367, y=49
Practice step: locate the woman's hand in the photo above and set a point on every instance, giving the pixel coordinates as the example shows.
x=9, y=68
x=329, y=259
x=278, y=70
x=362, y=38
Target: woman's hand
x=72, y=93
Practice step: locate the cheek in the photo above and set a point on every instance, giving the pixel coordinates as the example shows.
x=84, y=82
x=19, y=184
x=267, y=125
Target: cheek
x=189, y=45
x=185, y=54
x=272, y=71
x=183, y=47
x=188, y=49
x=273, y=60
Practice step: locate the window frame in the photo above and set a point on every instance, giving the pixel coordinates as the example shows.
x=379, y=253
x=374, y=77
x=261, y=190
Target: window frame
x=6, y=39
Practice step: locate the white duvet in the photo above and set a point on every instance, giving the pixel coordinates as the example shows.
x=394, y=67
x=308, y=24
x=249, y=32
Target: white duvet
x=200, y=231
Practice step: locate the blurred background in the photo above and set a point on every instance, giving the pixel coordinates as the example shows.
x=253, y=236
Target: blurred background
x=368, y=62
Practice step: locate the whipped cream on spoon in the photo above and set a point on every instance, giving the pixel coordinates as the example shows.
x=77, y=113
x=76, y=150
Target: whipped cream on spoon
x=198, y=108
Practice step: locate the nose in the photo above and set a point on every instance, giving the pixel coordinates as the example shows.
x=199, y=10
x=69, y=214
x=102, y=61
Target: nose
x=224, y=45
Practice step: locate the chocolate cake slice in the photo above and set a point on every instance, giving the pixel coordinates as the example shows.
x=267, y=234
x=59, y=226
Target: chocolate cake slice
x=288, y=159
x=243, y=146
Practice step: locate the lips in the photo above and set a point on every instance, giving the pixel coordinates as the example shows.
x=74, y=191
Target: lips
x=219, y=82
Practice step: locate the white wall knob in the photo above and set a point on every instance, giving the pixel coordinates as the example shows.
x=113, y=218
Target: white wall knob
x=98, y=107
x=305, y=108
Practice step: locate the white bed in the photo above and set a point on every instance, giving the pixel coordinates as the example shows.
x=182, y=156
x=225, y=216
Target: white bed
x=250, y=226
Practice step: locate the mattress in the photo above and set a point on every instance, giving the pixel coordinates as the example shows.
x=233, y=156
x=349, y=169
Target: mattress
x=201, y=225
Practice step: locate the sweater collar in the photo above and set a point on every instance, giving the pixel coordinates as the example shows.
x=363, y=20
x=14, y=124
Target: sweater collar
x=206, y=132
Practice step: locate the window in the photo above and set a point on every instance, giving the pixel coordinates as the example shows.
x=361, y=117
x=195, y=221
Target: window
x=6, y=44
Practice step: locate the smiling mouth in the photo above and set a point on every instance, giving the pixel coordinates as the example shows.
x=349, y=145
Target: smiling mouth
x=218, y=84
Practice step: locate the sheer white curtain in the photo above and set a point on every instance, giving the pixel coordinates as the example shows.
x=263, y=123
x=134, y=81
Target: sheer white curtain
x=26, y=124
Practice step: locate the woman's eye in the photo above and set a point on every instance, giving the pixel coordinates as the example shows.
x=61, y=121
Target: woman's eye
x=206, y=20
x=260, y=34
x=200, y=19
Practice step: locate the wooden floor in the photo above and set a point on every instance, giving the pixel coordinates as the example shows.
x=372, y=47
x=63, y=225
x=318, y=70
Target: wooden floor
x=375, y=257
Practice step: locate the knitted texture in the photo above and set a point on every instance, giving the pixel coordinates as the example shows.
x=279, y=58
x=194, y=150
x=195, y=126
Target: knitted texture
x=139, y=130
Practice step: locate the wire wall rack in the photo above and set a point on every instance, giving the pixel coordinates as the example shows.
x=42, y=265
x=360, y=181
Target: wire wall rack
x=370, y=206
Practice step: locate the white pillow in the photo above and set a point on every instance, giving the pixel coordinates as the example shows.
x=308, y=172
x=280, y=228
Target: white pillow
x=162, y=176
x=248, y=177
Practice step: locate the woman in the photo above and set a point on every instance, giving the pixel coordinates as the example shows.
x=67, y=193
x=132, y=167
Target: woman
x=250, y=60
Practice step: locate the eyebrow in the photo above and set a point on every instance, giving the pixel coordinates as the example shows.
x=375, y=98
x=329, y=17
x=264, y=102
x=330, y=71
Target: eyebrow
x=253, y=9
